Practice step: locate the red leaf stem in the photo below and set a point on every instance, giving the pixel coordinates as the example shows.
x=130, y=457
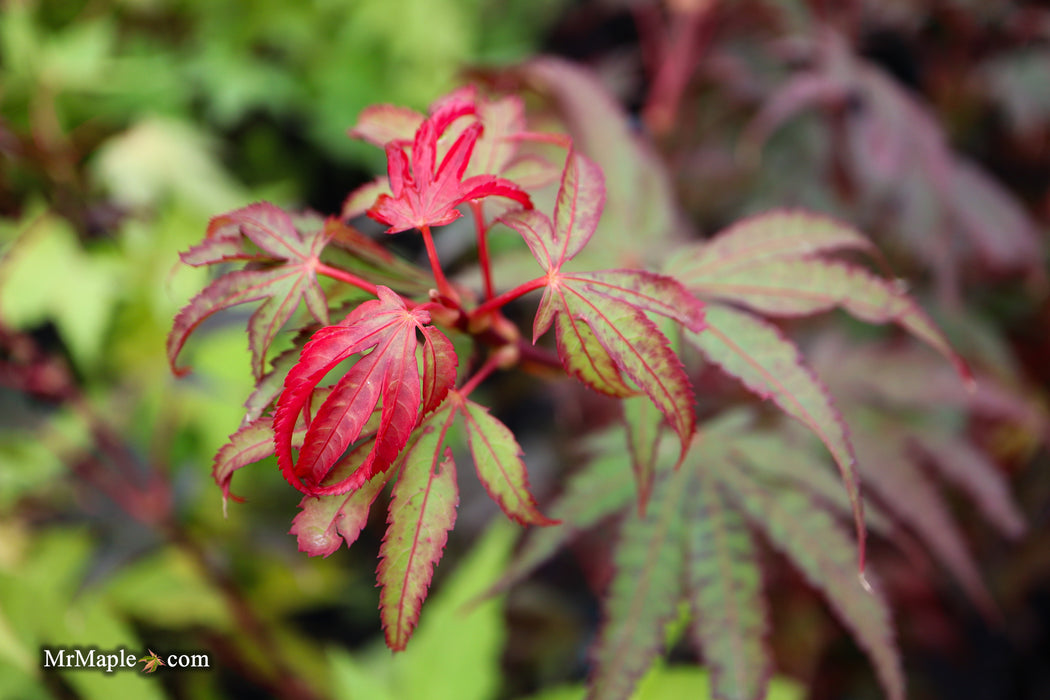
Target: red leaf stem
x=344, y=276
x=503, y=299
x=477, y=209
x=444, y=288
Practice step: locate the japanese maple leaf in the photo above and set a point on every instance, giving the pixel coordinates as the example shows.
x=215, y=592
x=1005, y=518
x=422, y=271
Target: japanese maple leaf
x=383, y=332
x=152, y=662
x=604, y=334
x=497, y=151
x=425, y=193
x=281, y=272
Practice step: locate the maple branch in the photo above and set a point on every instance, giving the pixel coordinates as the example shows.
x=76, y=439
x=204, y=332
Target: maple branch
x=490, y=366
x=532, y=355
x=477, y=208
x=509, y=296
x=344, y=276
x=686, y=38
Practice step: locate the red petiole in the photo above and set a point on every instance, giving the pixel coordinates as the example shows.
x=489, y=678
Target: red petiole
x=477, y=208
x=503, y=299
x=443, y=286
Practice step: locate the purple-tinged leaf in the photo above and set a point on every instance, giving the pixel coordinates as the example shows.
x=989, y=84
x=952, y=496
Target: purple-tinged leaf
x=289, y=279
x=535, y=228
x=630, y=339
x=578, y=207
x=497, y=458
x=756, y=353
x=996, y=223
x=723, y=584
x=645, y=590
x=775, y=235
x=898, y=158
x=647, y=291
x=269, y=386
x=908, y=377
x=640, y=203
x=794, y=95
x=965, y=466
x=907, y=492
x=381, y=124
x=604, y=486
x=503, y=119
x=422, y=512
x=325, y=522
x=644, y=427
x=439, y=368
x=531, y=171
x=251, y=443
x=805, y=286
x=776, y=459
x=793, y=523
x=363, y=198
x=585, y=358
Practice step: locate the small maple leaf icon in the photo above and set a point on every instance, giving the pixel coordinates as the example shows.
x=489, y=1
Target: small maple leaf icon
x=152, y=661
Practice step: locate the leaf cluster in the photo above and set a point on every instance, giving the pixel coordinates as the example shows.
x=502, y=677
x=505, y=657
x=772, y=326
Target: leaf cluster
x=687, y=528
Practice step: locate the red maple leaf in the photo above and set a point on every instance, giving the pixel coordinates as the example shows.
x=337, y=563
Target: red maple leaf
x=383, y=332
x=424, y=195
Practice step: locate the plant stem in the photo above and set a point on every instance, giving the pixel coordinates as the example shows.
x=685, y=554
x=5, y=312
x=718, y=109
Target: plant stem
x=486, y=369
x=509, y=296
x=344, y=276
x=444, y=288
x=684, y=42
x=477, y=208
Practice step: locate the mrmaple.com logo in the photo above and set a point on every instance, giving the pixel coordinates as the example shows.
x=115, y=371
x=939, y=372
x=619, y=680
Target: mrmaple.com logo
x=120, y=659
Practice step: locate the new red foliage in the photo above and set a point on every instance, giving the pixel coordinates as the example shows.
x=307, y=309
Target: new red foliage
x=423, y=195
x=383, y=332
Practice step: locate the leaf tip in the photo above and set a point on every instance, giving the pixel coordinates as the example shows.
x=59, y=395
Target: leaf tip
x=864, y=583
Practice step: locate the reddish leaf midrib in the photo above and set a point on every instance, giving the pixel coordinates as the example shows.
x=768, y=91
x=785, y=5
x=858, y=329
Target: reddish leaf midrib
x=761, y=253
x=279, y=237
x=668, y=514
x=419, y=525
x=293, y=297
x=669, y=309
x=575, y=197
x=810, y=422
x=731, y=609
x=734, y=291
x=349, y=405
x=583, y=348
x=664, y=389
x=525, y=503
